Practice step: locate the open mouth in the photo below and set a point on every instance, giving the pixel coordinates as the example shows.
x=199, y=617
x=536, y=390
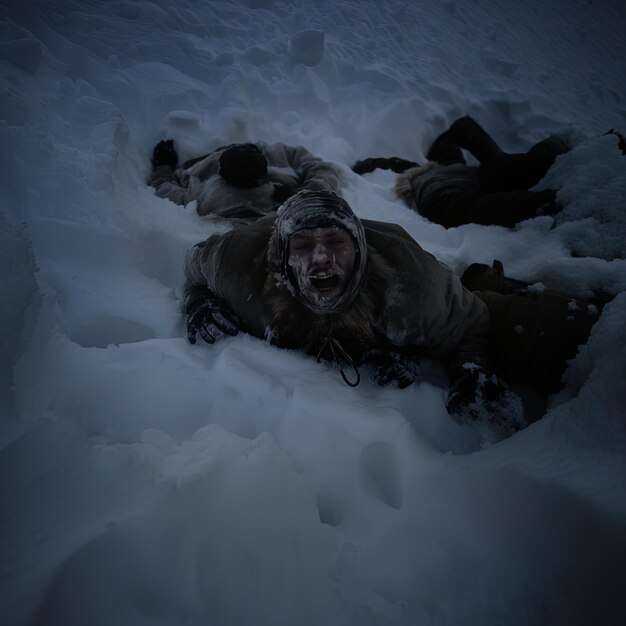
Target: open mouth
x=325, y=282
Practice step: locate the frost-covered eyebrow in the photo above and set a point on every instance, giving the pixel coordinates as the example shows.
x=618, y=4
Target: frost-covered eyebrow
x=308, y=233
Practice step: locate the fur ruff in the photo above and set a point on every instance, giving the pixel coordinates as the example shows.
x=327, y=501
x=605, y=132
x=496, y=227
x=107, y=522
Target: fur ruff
x=404, y=186
x=292, y=325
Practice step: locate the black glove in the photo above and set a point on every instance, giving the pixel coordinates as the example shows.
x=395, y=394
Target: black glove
x=365, y=166
x=212, y=318
x=165, y=154
x=394, y=368
x=477, y=395
x=395, y=164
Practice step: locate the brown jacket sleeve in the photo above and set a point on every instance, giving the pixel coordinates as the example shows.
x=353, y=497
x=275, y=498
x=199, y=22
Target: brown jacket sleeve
x=233, y=266
x=426, y=306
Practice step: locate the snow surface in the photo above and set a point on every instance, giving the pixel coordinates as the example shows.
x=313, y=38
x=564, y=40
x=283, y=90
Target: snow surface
x=146, y=481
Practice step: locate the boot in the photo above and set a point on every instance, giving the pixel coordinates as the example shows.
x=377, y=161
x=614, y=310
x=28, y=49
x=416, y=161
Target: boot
x=481, y=277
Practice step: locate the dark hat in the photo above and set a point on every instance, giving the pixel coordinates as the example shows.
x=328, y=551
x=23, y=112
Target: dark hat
x=317, y=209
x=310, y=209
x=243, y=165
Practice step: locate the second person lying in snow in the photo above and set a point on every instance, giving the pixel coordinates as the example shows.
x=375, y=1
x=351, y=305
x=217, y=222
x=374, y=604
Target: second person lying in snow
x=241, y=180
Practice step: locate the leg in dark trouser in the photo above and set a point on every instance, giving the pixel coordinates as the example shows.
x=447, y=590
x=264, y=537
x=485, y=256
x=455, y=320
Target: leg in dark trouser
x=471, y=136
x=467, y=134
x=510, y=172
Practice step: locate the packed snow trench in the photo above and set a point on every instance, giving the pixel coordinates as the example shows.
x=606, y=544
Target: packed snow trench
x=146, y=481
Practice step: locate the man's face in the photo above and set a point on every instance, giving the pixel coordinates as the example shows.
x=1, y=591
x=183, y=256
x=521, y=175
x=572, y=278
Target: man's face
x=322, y=262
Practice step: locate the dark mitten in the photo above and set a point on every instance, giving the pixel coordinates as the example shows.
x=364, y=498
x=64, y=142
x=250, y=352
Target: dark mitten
x=212, y=318
x=395, y=164
x=165, y=154
x=364, y=166
x=475, y=395
x=398, y=165
x=395, y=368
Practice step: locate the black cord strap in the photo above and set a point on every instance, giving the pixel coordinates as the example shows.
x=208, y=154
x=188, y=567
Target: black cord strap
x=338, y=351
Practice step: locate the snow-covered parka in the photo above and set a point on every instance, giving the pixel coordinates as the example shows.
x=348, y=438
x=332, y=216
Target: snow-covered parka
x=407, y=300
x=452, y=195
x=289, y=169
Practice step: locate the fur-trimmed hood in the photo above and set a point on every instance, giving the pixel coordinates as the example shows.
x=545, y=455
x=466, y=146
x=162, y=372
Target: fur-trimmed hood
x=407, y=299
x=316, y=209
x=293, y=325
x=404, y=182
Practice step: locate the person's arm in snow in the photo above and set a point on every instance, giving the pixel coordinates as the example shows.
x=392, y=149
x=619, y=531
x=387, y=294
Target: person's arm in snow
x=164, y=177
x=314, y=173
x=207, y=313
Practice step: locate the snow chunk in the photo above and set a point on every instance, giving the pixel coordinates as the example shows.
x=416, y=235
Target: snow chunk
x=183, y=120
x=536, y=288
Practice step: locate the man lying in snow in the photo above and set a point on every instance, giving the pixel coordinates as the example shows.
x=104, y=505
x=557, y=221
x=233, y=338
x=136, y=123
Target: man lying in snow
x=314, y=277
x=449, y=192
x=240, y=180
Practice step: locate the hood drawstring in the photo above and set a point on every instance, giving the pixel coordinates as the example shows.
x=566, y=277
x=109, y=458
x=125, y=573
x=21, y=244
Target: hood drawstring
x=338, y=351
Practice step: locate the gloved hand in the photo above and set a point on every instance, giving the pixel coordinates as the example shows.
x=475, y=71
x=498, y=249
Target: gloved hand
x=365, y=166
x=395, y=368
x=211, y=318
x=477, y=395
x=395, y=164
x=165, y=154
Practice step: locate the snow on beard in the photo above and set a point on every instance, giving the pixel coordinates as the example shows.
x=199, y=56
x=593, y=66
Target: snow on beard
x=309, y=210
x=319, y=286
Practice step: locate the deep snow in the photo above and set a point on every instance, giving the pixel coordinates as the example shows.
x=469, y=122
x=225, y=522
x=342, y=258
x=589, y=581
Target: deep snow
x=148, y=481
